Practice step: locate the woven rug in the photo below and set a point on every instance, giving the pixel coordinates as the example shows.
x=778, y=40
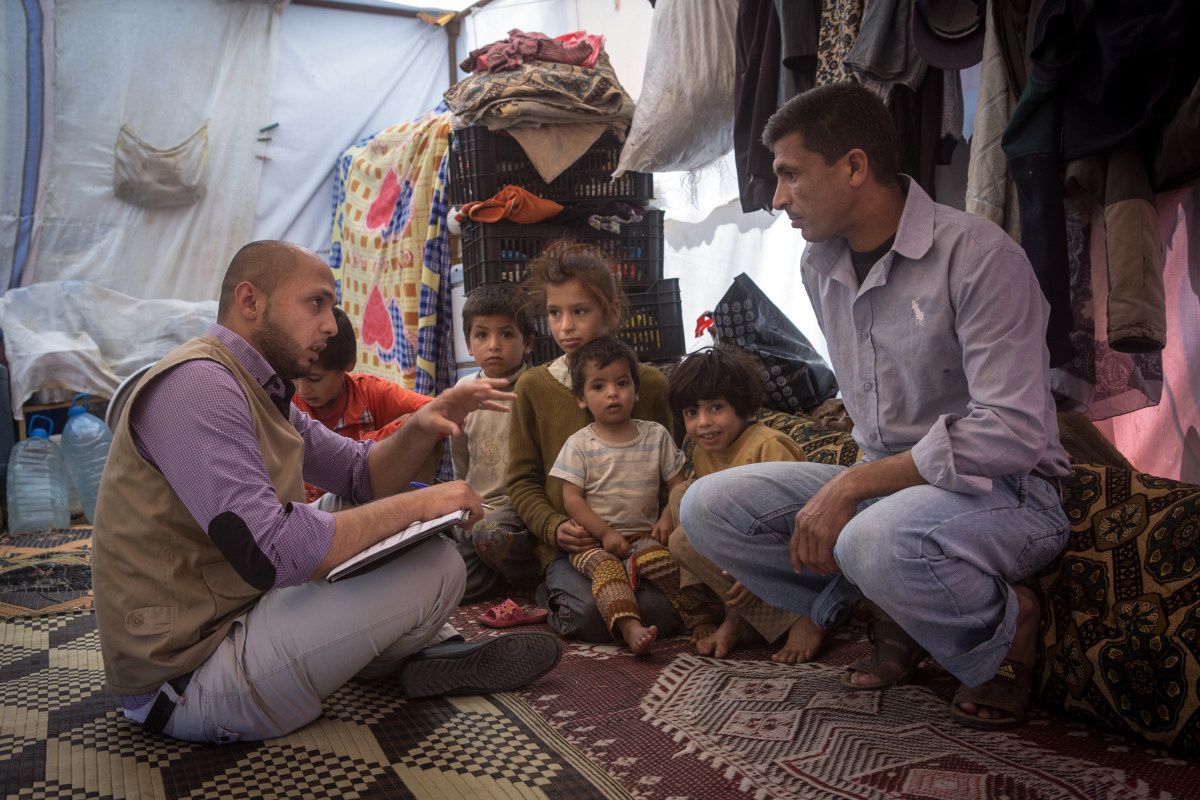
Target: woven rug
x=45, y=573
x=673, y=726
x=61, y=736
x=677, y=725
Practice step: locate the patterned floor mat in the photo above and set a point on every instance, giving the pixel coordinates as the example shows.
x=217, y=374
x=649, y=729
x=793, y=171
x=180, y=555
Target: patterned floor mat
x=673, y=726
x=45, y=573
x=677, y=725
x=62, y=737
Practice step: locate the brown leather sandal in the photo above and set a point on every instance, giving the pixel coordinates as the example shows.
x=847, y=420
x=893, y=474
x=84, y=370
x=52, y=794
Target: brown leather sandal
x=894, y=657
x=1009, y=691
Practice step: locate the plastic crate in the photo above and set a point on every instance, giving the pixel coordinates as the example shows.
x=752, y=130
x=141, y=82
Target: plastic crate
x=482, y=161
x=653, y=326
x=495, y=252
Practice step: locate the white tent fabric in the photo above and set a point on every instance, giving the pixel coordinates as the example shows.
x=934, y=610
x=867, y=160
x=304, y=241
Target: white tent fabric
x=26, y=83
x=340, y=78
x=164, y=69
x=73, y=336
x=709, y=241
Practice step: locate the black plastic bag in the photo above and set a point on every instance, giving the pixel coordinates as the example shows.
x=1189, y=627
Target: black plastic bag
x=797, y=377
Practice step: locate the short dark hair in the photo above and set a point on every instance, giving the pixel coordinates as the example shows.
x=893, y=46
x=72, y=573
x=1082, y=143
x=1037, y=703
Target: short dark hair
x=600, y=353
x=263, y=263
x=724, y=373
x=341, y=348
x=564, y=260
x=836, y=118
x=498, y=300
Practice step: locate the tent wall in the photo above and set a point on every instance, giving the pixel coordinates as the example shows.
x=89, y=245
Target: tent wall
x=26, y=84
x=341, y=77
x=163, y=69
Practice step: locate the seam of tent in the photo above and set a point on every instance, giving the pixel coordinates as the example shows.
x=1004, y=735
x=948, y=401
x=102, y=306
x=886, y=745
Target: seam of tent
x=33, y=137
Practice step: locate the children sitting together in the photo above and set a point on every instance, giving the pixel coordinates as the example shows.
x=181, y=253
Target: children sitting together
x=583, y=480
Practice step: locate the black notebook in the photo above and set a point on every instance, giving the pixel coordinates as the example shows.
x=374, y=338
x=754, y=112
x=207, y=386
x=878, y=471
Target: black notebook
x=388, y=548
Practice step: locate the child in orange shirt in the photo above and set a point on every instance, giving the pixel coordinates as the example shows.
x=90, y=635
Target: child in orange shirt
x=354, y=405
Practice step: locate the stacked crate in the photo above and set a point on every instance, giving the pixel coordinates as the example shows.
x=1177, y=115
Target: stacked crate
x=481, y=162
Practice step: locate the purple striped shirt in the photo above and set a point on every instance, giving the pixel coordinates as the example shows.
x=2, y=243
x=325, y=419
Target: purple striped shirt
x=193, y=424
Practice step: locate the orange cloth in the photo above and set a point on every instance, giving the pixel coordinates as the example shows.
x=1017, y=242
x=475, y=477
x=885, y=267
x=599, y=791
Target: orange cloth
x=515, y=203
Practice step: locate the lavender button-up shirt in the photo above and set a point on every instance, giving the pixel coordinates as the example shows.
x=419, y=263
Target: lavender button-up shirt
x=941, y=350
x=193, y=424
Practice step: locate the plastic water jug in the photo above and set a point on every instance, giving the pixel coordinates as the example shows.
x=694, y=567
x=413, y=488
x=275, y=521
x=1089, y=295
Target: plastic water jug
x=37, y=483
x=85, y=442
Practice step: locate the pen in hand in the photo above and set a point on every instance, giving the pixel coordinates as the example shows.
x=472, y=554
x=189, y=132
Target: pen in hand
x=419, y=485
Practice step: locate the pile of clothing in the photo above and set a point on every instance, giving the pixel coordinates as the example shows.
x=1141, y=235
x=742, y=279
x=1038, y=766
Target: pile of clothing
x=556, y=97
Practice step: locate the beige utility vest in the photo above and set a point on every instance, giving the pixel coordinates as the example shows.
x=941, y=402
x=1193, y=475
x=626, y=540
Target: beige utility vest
x=165, y=595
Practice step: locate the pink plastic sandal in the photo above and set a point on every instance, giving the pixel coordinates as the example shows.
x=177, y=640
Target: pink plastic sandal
x=509, y=614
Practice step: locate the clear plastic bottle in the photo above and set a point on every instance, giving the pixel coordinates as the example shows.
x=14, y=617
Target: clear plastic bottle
x=85, y=442
x=37, y=483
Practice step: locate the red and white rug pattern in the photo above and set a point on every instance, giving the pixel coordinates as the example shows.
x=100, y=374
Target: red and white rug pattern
x=796, y=732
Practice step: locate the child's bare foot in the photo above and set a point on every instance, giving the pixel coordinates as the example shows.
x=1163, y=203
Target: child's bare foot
x=803, y=643
x=638, y=638
x=721, y=641
x=702, y=631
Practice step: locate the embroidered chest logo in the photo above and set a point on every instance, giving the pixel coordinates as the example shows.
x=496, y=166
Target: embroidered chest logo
x=918, y=314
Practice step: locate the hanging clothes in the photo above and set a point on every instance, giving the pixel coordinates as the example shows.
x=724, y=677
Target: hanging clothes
x=1099, y=74
x=799, y=40
x=990, y=190
x=776, y=59
x=1103, y=381
x=756, y=97
x=883, y=54
x=917, y=115
x=840, y=21
x=1176, y=158
x=1136, y=310
x=391, y=252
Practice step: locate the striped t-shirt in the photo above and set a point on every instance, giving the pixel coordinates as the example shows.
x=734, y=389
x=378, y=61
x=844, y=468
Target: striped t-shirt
x=621, y=480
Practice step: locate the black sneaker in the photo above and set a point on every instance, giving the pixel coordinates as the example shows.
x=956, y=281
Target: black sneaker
x=499, y=664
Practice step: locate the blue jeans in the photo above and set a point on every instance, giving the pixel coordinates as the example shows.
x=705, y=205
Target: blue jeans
x=938, y=562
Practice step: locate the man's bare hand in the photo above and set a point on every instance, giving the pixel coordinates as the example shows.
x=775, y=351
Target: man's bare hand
x=443, y=498
x=446, y=414
x=818, y=526
x=573, y=537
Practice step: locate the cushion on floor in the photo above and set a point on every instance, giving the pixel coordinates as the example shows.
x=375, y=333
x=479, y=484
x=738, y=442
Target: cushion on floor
x=1121, y=607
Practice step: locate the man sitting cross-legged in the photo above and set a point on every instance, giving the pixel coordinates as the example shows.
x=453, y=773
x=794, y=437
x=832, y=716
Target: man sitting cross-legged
x=215, y=621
